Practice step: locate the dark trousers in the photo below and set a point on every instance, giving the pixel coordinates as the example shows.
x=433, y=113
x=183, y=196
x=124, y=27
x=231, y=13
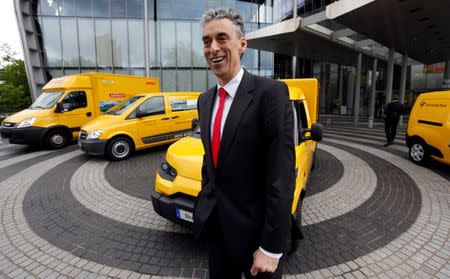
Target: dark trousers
x=221, y=265
x=390, y=128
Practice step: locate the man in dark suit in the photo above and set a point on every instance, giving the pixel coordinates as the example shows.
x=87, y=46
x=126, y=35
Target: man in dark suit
x=393, y=111
x=248, y=173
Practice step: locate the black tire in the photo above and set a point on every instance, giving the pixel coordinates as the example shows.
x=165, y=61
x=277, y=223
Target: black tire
x=119, y=148
x=56, y=139
x=419, y=152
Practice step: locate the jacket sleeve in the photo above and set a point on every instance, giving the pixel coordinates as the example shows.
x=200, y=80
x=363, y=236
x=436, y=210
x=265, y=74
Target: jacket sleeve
x=279, y=167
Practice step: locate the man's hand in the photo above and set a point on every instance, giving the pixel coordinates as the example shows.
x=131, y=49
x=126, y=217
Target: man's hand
x=263, y=263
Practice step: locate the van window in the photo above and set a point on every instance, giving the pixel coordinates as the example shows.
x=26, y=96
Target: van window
x=302, y=120
x=181, y=103
x=153, y=106
x=74, y=100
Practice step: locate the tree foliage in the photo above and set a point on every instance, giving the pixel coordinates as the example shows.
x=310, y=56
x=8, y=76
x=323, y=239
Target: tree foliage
x=14, y=91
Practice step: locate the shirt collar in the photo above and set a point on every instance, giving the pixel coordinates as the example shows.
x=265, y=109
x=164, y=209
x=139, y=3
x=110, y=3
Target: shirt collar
x=232, y=86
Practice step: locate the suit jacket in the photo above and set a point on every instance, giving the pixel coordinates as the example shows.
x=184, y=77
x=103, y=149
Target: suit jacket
x=252, y=187
x=393, y=111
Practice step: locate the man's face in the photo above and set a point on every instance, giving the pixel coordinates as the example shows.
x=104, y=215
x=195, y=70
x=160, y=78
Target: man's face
x=222, y=48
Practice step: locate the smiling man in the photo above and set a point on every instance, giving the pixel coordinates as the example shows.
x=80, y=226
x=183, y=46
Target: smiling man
x=248, y=171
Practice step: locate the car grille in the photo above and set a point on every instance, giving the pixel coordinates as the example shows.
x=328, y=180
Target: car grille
x=83, y=135
x=8, y=125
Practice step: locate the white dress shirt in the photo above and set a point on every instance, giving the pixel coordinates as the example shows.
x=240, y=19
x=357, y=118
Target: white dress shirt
x=231, y=88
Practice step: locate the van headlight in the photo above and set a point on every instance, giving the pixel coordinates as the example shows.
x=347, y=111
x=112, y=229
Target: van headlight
x=94, y=134
x=27, y=123
x=166, y=171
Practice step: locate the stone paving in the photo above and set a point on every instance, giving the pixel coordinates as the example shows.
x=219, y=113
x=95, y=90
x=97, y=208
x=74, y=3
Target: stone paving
x=368, y=212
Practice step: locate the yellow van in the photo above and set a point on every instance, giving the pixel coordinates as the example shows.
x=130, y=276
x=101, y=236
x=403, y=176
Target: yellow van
x=178, y=179
x=69, y=102
x=428, y=132
x=142, y=121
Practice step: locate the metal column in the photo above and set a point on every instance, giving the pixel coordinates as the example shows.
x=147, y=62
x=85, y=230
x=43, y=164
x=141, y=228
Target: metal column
x=340, y=84
x=294, y=58
x=373, y=92
x=323, y=88
x=147, y=69
x=357, y=90
x=447, y=75
x=390, y=76
x=403, y=83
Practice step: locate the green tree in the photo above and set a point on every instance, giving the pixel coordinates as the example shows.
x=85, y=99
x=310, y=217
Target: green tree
x=14, y=91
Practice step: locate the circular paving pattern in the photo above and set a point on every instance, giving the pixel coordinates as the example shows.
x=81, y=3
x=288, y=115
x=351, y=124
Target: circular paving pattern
x=367, y=212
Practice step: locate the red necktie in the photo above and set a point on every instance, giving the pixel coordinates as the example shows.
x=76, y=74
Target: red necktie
x=217, y=124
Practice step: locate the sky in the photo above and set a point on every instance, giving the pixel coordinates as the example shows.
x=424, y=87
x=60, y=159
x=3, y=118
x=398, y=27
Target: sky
x=9, y=32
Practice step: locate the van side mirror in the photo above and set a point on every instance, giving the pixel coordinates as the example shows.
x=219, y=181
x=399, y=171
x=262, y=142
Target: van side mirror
x=140, y=114
x=59, y=108
x=316, y=132
x=194, y=123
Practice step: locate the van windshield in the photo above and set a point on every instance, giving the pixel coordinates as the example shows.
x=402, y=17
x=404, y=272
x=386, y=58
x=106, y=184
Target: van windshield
x=123, y=106
x=46, y=100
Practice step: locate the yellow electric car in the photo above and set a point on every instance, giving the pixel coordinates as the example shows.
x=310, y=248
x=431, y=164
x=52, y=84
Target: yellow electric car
x=178, y=179
x=142, y=121
x=428, y=132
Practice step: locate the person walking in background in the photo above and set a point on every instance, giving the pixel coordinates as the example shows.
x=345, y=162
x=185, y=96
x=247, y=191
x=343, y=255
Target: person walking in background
x=248, y=172
x=392, y=115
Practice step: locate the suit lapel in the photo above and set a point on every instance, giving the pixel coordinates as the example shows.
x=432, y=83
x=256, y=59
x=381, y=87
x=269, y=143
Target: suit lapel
x=240, y=104
x=206, y=120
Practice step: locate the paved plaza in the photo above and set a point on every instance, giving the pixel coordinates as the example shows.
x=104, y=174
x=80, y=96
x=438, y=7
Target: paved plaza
x=368, y=212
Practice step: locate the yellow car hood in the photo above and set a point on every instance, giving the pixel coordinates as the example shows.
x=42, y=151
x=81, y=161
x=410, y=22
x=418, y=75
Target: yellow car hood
x=101, y=122
x=186, y=157
x=28, y=113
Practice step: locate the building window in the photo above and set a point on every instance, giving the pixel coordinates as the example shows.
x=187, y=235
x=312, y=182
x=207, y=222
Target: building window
x=69, y=42
x=120, y=43
x=118, y=8
x=168, y=44
x=169, y=80
x=86, y=41
x=49, y=7
x=184, y=80
x=101, y=8
x=103, y=43
x=135, y=9
x=68, y=8
x=184, y=44
x=84, y=8
x=52, y=41
x=136, y=42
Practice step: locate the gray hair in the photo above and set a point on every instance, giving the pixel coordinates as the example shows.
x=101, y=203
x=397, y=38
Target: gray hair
x=228, y=13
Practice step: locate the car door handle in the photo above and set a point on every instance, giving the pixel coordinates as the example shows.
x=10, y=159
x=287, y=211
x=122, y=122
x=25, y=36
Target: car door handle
x=88, y=114
x=165, y=118
x=175, y=117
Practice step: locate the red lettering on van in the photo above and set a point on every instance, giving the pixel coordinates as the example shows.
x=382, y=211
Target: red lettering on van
x=117, y=95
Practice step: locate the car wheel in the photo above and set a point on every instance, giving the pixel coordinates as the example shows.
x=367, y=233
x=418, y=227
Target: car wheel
x=56, y=139
x=119, y=149
x=418, y=152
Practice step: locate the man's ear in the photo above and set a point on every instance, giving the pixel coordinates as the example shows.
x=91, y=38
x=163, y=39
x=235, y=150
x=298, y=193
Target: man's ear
x=243, y=45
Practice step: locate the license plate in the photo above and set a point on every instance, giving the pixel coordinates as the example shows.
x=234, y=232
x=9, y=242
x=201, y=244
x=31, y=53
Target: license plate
x=185, y=215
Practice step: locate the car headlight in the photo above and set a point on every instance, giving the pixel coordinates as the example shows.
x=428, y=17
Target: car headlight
x=27, y=122
x=166, y=171
x=94, y=134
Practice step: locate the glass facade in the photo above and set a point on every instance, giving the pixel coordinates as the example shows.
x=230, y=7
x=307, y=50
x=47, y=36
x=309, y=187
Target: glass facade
x=80, y=36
